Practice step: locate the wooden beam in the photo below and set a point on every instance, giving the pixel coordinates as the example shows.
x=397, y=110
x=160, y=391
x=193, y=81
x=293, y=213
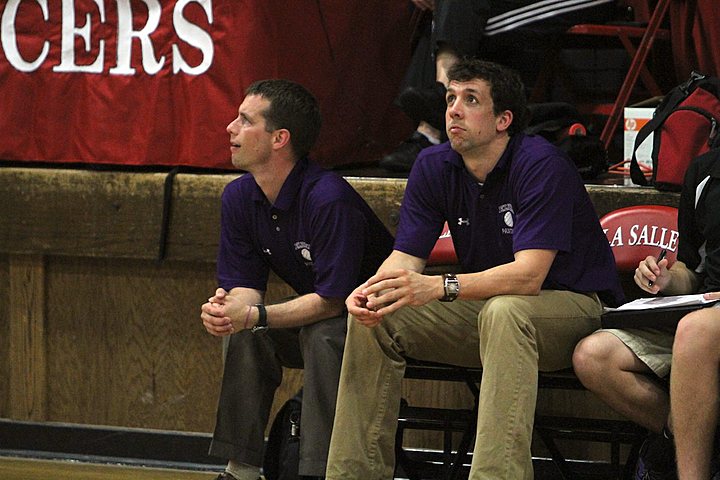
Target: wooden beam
x=27, y=357
x=81, y=213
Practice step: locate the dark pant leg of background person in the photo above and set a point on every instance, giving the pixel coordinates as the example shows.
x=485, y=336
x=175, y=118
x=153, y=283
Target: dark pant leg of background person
x=253, y=371
x=322, y=345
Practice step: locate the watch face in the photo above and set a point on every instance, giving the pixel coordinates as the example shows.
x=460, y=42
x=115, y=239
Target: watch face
x=452, y=288
x=259, y=328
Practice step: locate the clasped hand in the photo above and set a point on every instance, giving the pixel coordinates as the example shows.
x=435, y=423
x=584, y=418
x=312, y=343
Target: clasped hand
x=386, y=292
x=223, y=314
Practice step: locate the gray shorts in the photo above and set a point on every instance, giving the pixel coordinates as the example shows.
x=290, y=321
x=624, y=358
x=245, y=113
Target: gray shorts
x=652, y=346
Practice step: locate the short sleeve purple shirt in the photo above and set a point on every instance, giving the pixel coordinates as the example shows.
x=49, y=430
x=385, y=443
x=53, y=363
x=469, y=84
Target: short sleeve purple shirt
x=533, y=199
x=320, y=236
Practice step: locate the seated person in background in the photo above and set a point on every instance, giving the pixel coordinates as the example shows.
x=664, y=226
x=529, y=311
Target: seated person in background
x=694, y=392
x=536, y=274
x=511, y=32
x=628, y=368
x=317, y=234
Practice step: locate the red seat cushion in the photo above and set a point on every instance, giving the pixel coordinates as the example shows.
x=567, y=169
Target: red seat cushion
x=638, y=231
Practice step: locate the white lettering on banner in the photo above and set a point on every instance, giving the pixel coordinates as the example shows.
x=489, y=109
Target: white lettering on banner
x=126, y=34
x=185, y=30
x=651, y=235
x=69, y=32
x=8, y=37
x=193, y=35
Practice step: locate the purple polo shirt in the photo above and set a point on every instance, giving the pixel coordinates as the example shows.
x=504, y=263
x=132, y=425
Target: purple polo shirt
x=320, y=236
x=534, y=198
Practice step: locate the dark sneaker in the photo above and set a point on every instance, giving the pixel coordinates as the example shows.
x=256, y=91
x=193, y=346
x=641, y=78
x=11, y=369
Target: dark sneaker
x=228, y=476
x=225, y=476
x=425, y=105
x=402, y=159
x=656, y=460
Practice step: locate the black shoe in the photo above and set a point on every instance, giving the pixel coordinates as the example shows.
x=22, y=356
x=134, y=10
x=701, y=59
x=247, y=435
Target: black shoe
x=425, y=105
x=402, y=159
x=225, y=476
x=656, y=459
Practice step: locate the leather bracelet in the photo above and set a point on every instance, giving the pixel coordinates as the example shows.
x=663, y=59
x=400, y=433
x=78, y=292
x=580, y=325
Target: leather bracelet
x=247, y=317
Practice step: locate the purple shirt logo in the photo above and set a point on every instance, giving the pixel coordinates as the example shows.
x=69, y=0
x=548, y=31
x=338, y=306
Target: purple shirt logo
x=506, y=211
x=304, y=249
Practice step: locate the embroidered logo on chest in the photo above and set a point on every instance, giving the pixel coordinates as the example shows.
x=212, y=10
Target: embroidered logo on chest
x=304, y=249
x=506, y=213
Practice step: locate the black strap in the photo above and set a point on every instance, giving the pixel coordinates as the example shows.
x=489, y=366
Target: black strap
x=662, y=112
x=167, y=207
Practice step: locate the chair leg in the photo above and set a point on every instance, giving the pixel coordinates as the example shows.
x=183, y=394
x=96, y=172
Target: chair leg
x=468, y=435
x=629, y=470
x=631, y=78
x=557, y=457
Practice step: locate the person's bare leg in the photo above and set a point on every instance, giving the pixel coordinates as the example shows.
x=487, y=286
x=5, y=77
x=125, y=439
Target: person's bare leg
x=444, y=59
x=432, y=133
x=608, y=368
x=694, y=391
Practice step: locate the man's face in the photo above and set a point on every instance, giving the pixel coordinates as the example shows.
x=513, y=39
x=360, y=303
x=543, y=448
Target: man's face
x=250, y=143
x=471, y=123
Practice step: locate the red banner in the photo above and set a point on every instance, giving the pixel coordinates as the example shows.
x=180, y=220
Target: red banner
x=155, y=82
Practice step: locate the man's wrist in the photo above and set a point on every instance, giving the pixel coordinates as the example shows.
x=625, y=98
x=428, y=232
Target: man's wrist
x=248, y=320
x=451, y=287
x=260, y=323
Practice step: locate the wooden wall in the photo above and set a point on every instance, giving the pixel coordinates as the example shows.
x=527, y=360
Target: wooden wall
x=95, y=330
x=4, y=336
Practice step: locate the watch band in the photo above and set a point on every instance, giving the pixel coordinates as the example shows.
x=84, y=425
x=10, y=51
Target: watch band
x=261, y=324
x=451, y=286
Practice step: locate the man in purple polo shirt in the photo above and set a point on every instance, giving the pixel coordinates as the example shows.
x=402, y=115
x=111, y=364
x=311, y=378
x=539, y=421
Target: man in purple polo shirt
x=538, y=270
x=317, y=234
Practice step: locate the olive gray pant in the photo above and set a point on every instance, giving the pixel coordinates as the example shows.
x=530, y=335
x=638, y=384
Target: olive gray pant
x=253, y=371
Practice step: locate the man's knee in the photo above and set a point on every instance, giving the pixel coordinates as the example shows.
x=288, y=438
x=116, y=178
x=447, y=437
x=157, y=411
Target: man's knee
x=324, y=334
x=594, y=357
x=505, y=311
x=698, y=333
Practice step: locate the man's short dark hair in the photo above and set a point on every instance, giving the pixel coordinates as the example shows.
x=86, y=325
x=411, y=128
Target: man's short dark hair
x=506, y=88
x=293, y=108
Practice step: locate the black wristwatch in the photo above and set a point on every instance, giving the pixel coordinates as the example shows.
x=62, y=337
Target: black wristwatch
x=261, y=324
x=452, y=287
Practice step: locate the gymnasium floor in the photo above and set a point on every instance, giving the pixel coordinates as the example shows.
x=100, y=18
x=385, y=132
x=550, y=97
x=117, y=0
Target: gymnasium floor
x=33, y=469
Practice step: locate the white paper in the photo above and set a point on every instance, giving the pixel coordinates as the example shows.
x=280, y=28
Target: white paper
x=664, y=302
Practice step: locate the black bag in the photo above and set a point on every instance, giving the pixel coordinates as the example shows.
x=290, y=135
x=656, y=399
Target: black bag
x=561, y=125
x=282, y=452
x=685, y=125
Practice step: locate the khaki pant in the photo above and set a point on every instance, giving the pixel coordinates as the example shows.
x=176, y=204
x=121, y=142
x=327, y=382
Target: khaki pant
x=512, y=337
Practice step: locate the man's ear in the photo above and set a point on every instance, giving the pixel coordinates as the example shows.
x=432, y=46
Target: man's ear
x=504, y=120
x=281, y=138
